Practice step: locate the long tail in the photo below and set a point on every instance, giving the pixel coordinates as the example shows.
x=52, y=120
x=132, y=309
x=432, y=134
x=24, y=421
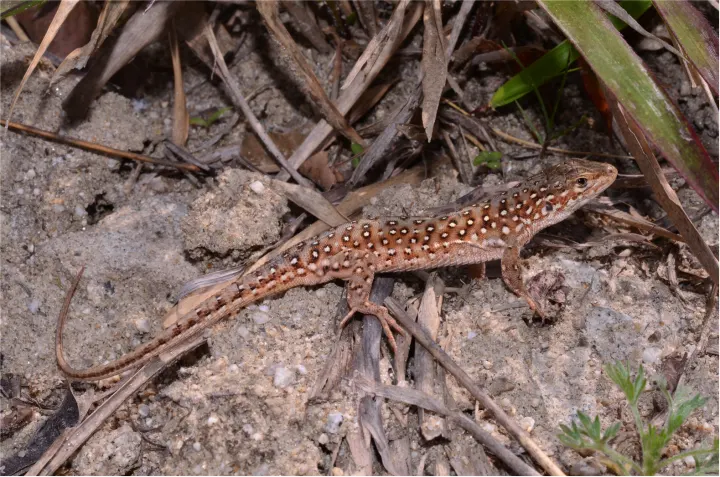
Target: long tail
x=225, y=303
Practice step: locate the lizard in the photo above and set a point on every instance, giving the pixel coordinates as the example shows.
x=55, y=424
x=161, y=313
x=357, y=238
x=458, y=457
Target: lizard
x=355, y=252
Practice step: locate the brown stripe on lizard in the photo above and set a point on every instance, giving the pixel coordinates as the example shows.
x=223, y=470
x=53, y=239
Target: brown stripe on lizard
x=357, y=251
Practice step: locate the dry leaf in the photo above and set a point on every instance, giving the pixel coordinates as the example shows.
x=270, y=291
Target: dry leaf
x=434, y=65
x=304, y=74
x=78, y=58
x=63, y=10
x=319, y=171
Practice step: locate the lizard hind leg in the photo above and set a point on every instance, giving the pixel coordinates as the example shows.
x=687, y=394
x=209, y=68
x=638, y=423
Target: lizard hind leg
x=358, y=296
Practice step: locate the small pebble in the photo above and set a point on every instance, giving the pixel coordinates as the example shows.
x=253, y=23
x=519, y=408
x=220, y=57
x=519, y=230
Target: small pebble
x=248, y=429
x=261, y=318
x=257, y=187
x=30, y=175
x=527, y=423
x=197, y=446
x=334, y=421
x=57, y=208
x=264, y=308
x=487, y=364
x=233, y=368
x=320, y=293
x=243, y=331
x=36, y=191
x=21, y=191
x=144, y=410
x=651, y=355
x=34, y=306
x=337, y=471
x=627, y=299
x=213, y=419
x=323, y=439
x=142, y=325
x=471, y=335
x=257, y=436
x=283, y=377
x=689, y=461
x=301, y=369
x=80, y=211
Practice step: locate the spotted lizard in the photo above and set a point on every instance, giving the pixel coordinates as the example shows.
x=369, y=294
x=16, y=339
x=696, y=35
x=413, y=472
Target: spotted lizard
x=357, y=251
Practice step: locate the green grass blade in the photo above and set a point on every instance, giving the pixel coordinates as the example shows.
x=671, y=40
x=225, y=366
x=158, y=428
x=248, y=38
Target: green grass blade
x=627, y=78
x=554, y=62
x=695, y=35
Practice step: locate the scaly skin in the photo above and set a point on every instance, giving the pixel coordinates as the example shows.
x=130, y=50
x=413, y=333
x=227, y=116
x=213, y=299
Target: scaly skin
x=356, y=252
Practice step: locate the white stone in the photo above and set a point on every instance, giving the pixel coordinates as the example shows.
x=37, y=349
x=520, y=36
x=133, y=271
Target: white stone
x=283, y=377
x=257, y=187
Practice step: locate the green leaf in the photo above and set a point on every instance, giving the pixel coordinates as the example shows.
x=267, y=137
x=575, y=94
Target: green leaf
x=207, y=121
x=351, y=19
x=681, y=407
x=356, y=149
x=489, y=159
x=627, y=78
x=11, y=8
x=554, y=62
x=611, y=432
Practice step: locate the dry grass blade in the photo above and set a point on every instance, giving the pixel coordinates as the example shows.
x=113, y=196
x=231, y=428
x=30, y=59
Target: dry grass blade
x=81, y=433
x=353, y=90
x=143, y=28
x=111, y=13
x=664, y=194
x=485, y=400
x=240, y=101
x=425, y=376
x=387, y=37
x=366, y=15
x=96, y=148
x=417, y=398
x=181, y=118
x=63, y=10
x=618, y=11
x=378, y=149
x=269, y=11
x=313, y=202
x=306, y=24
x=433, y=65
x=602, y=208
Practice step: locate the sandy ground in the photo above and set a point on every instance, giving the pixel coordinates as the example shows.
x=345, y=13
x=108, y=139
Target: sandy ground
x=240, y=405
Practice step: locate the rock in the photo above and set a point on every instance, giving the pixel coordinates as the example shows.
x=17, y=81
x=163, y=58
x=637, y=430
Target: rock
x=651, y=355
x=109, y=453
x=257, y=187
x=232, y=217
x=261, y=318
x=283, y=377
x=334, y=420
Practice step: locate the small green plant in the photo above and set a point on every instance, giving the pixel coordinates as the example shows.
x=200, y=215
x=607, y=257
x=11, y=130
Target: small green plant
x=489, y=159
x=207, y=119
x=357, y=151
x=587, y=433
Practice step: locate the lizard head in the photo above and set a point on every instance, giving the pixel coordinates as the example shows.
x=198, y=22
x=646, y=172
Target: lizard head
x=583, y=180
x=560, y=190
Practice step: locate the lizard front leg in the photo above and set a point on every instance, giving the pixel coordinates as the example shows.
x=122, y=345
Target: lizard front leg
x=511, y=266
x=358, y=296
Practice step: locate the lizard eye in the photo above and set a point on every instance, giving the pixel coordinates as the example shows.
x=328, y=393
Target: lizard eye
x=582, y=182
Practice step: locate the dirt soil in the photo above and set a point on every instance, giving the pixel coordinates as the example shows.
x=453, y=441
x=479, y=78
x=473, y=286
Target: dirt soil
x=240, y=404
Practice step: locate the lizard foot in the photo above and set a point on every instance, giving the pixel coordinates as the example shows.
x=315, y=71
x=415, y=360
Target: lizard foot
x=381, y=313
